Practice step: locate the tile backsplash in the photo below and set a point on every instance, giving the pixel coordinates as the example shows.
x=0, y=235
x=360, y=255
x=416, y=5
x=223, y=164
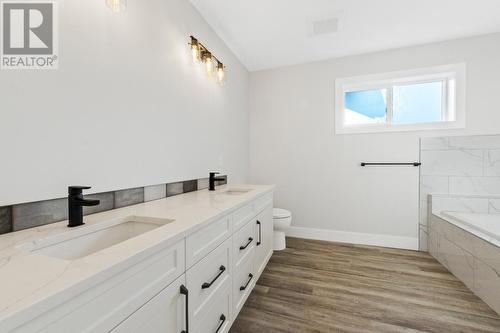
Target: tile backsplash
x=5, y=220
x=34, y=214
x=464, y=172
x=129, y=197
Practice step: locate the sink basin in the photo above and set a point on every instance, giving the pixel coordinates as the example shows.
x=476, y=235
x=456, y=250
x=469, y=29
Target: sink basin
x=237, y=191
x=87, y=240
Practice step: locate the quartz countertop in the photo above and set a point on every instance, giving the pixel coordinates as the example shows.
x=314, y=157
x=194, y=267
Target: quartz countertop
x=32, y=283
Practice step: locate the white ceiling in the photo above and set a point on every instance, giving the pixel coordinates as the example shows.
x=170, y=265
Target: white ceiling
x=274, y=33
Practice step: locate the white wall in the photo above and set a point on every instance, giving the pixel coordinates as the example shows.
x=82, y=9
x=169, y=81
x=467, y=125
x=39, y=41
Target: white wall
x=126, y=108
x=292, y=140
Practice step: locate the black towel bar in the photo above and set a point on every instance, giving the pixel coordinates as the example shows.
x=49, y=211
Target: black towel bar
x=416, y=164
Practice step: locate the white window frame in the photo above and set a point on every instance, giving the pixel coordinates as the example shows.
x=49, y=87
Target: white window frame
x=453, y=77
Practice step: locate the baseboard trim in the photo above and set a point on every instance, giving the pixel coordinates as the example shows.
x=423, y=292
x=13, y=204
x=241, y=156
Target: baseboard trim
x=398, y=242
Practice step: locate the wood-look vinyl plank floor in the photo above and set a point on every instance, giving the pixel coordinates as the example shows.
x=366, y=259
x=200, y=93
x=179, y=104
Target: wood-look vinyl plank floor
x=317, y=286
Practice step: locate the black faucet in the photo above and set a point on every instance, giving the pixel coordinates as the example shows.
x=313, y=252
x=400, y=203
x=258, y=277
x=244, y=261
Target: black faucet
x=213, y=179
x=76, y=203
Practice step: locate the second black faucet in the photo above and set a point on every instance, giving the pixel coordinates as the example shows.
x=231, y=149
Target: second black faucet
x=213, y=179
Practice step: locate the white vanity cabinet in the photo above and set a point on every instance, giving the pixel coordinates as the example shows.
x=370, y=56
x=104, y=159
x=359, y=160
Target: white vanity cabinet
x=165, y=313
x=224, y=260
x=197, y=284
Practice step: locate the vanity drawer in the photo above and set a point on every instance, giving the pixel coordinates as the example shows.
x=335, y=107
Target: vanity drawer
x=242, y=215
x=218, y=315
x=102, y=307
x=243, y=283
x=261, y=203
x=206, y=279
x=206, y=239
x=243, y=243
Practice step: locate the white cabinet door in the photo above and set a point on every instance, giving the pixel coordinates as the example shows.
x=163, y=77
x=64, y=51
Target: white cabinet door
x=165, y=313
x=218, y=317
x=243, y=283
x=264, y=237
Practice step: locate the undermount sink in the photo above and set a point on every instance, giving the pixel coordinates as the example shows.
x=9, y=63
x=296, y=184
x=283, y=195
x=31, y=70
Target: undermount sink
x=86, y=240
x=237, y=191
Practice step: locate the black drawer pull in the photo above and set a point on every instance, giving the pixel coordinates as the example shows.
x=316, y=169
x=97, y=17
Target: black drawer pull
x=223, y=320
x=185, y=292
x=260, y=233
x=207, y=285
x=250, y=277
x=249, y=242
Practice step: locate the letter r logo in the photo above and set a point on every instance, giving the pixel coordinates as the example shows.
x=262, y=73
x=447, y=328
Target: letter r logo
x=27, y=28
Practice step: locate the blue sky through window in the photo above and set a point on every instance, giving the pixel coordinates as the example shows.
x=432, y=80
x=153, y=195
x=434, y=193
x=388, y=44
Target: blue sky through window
x=418, y=103
x=411, y=104
x=366, y=107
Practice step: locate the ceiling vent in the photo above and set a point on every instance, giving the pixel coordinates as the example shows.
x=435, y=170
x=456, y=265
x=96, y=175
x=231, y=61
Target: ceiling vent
x=323, y=27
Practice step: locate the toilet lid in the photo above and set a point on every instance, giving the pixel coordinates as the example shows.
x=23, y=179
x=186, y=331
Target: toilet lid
x=279, y=213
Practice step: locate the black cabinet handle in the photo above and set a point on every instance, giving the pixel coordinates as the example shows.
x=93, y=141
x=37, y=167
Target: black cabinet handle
x=223, y=320
x=185, y=292
x=207, y=285
x=250, y=277
x=249, y=242
x=260, y=233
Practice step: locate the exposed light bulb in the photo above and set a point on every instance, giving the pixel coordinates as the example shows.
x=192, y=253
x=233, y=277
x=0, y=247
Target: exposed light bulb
x=209, y=64
x=220, y=74
x=195, y=50
x=117, y=6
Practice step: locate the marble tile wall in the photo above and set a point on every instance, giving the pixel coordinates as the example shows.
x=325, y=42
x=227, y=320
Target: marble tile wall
x=464, y=171
x=465, y=204
x=34, y=214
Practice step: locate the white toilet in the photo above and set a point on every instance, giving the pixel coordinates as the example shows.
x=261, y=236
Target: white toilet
x=282, y=220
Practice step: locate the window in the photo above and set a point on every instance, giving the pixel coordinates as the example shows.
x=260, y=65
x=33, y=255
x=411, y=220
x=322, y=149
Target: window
x=422, y=99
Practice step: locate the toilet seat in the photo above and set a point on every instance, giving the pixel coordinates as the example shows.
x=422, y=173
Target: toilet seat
x=279, y=213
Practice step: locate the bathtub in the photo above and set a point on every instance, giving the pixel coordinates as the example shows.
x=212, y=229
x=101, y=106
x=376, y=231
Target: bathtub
x=468, y=245
x=485, y=226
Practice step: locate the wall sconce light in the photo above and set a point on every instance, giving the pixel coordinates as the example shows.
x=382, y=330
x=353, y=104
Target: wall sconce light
x=211, y=63
x=117, y=6
x=195, y=50
x=220, y=74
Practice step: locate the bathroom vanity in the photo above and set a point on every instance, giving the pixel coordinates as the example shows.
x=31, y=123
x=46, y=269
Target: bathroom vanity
x=181, y=264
